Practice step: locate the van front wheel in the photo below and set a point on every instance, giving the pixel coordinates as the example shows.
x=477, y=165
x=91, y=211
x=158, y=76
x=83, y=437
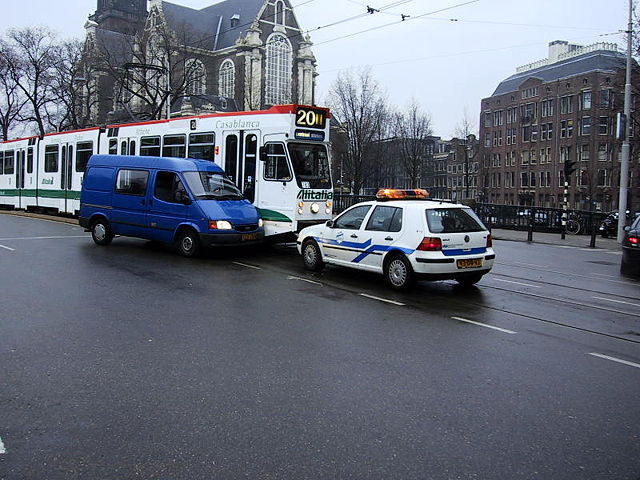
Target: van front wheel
x=101, y=232
x=188, y=243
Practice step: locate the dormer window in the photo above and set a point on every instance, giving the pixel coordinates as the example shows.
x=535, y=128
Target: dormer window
x=235, y=20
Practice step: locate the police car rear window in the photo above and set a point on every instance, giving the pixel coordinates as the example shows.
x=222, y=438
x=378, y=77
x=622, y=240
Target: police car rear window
x=453, y=220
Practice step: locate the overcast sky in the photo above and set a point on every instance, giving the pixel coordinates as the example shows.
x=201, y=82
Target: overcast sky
x=448, y=54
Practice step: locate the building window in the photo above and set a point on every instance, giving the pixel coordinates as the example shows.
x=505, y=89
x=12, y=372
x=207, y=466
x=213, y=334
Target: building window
x=280, y=13
x=547, y=108
x=524, y=179
x=585, y=126
x=227, y=83
x=603, y=152
x=584, y=153
x=605, y=99
x=196, y=76
x=603, y=125
x=487, y=119
x=279, y=61
x=566, y=104
x=585, y=100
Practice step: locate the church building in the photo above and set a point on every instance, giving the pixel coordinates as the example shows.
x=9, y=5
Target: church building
x=150, y=59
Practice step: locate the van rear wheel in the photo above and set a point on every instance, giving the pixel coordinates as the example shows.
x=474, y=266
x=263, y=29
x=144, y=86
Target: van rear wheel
x=101, y=232
x=188, y=243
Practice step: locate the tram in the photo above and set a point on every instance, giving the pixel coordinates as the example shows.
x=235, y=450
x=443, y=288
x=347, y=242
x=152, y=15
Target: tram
x=279, y=158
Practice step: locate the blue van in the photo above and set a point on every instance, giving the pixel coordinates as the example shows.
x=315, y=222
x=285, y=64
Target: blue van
x=174, y=200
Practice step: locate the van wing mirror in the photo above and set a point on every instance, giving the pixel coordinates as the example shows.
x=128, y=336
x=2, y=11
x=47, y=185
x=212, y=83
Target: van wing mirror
x=181, y=196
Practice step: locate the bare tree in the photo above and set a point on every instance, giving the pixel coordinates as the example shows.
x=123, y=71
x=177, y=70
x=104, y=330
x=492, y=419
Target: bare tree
x=30, y=62
x=11, y=102
x=361, y=108
x=412, y=130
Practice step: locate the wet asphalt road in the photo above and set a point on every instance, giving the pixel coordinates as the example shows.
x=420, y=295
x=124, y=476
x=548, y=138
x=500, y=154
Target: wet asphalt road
x=131, y=362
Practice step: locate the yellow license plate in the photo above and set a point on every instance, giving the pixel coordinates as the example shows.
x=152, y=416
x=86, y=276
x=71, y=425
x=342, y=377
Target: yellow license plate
x=249, y=236
x=469, y=263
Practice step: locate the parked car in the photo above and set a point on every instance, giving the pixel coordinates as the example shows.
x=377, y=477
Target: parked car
x=630, y=264
x=405, y=237
x=190, y=203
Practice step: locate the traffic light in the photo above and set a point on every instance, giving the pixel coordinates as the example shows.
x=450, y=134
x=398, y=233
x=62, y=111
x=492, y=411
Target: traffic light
x=569, y=168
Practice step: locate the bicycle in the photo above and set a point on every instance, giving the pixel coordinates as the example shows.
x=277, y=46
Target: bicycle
x=574, y=224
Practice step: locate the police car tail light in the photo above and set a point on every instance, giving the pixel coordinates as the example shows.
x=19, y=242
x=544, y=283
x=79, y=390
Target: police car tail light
x=634, y=240
x=489, y=241
x=430, y=244
x=397, y=194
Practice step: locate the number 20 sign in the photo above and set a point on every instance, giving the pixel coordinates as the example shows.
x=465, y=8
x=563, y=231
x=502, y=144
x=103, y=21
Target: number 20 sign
x=310, y=117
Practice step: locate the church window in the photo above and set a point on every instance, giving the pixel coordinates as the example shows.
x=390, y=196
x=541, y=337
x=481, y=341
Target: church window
x=196, y=75
x=227, y=79
x=279, y=67
x=280, y=13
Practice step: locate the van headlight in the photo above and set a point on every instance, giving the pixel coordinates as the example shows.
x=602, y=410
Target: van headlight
x=260, y=223
x=220, y=225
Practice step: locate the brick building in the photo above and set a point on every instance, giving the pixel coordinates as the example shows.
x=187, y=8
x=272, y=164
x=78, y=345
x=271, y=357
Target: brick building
x=552, y=111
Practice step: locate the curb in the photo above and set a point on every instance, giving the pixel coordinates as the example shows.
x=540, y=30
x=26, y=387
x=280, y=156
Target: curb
x=41, y=216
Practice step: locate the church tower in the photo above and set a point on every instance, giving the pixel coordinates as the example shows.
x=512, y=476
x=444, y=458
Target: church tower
x=124, y=16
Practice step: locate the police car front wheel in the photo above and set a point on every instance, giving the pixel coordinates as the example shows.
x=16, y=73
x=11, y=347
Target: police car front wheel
x=398, y=273
x=311, y=256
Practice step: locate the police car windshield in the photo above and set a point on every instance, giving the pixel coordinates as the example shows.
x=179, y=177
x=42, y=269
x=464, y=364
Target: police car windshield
x=453, y=220
x=310, y=164
x=212, y=185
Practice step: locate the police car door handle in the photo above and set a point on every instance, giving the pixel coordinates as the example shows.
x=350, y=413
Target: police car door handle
x=353, y=235
x=389, y=238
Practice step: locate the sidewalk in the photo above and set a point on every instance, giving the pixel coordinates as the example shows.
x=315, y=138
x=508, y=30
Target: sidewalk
x=581, y=241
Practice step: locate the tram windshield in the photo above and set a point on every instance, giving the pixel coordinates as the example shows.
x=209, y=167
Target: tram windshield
x=212, y=185
x=310, y=164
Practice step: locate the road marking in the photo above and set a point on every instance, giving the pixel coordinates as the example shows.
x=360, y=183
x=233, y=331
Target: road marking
x=46, y=238
x=2, y=449
x=303, y=280
x=393, y=302
x=484, y=325
x=248, y=266
x=618, y=301
x=614, y=359
x=517, y=283
x=7, y=248
x=605, y=275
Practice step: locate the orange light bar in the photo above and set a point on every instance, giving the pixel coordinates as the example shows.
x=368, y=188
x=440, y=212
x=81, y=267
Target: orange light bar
x=400, y=194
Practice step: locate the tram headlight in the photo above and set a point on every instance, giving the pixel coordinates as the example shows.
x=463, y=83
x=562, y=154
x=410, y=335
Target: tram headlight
x=315, y=208
x=300, y=211
x=220, y=225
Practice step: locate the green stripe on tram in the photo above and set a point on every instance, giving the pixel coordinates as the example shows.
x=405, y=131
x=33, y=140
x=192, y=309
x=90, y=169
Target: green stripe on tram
x=14, y=192
x=273, y=216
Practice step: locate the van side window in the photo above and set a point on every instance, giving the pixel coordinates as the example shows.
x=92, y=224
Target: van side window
x=150, y=146
x=132, y=182
x=50, y=158
x=167, y=186
x=174, y=146
x=276, y=166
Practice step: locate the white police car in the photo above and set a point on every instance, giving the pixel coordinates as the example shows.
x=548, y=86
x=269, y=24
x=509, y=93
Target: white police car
x=404, y=236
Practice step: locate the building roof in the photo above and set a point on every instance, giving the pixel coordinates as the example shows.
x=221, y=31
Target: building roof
x=202, y=25
x=606, y=61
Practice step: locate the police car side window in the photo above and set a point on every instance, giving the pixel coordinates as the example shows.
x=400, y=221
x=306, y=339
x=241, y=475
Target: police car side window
x=385, y=219
x=352, y=219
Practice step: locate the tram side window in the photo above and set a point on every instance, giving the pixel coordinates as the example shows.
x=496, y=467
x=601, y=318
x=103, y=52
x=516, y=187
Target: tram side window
x=30, y=160
x=201, y=146
x=150, y=146
x=51, y=153
x=84, y=150
x=113, y=146
x=276, y=166
x=132, y=182
x=8, y=162
x=1, y=163
x=174, y=146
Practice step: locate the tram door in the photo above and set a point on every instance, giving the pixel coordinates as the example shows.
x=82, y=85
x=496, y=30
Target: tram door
x=241, y=160
x=21, y=160
x=66, y=178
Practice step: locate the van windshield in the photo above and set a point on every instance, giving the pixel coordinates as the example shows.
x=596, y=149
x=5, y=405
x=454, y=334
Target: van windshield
x=212, y=185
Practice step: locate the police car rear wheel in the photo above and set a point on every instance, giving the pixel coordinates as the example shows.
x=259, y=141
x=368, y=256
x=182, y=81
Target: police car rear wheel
x=399, y=273
x=311, y=256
